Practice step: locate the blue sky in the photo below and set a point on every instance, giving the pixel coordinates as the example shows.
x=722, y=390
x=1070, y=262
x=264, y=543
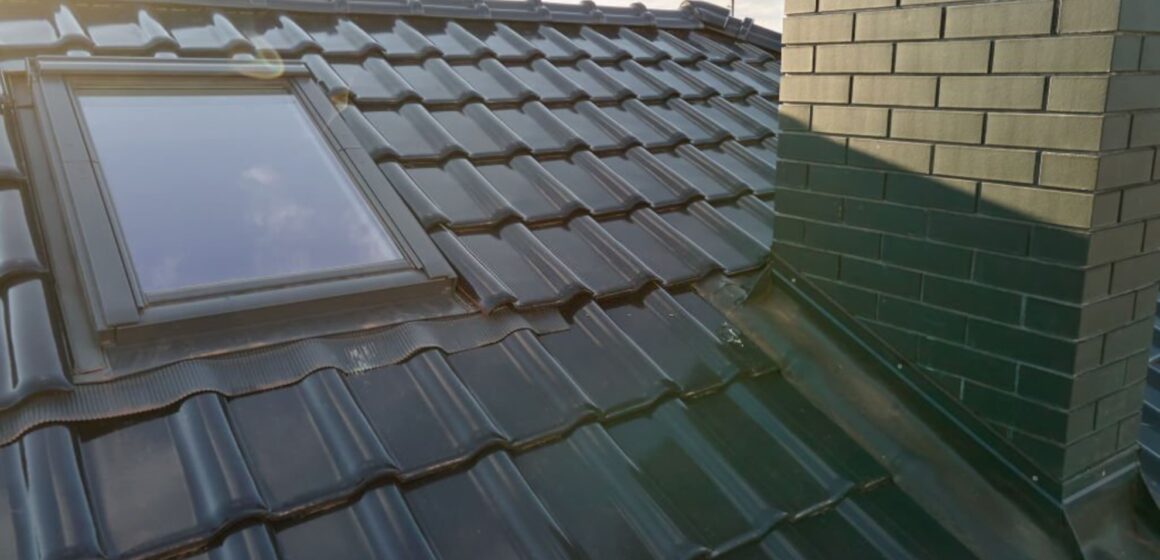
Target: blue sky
x=765, y=12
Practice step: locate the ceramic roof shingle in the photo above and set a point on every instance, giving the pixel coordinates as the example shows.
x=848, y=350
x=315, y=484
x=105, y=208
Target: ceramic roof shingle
x=590, y=162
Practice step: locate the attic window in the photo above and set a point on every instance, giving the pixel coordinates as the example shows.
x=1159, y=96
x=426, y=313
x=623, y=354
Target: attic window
x=185, y=199
x=214, y=189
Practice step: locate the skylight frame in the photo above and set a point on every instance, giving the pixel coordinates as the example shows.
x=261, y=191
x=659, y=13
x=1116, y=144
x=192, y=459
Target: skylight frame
x=101, y=304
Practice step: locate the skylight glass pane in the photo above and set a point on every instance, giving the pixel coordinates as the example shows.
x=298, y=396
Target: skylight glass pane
x=222, y=188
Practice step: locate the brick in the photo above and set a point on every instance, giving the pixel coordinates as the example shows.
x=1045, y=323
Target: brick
x=856, y=301
x=876, y=58
x=1152, y=235
x=1145, y=303
x=1078, y=321
x=1054, y=54
x=1061, y=132
x=1028, y=416
x=1128, y=340
x=927, y=256
x=1145, y=129
x=1139, y=15
x=846, y=181
x=992, y=92
x=1141, y=202
x=885, y=217
x=980, y=233
x=1116, y=243
x=965, y=362
x=824, y=28
x=999, y=19
x=880, y=278
x=862, y=121
x=1106, y=208
x=1086, y=16
x=890, y=25
x=1016, y=343
x=932, y=192
x=1016, y=166
x=921, y=318
x=943, y=57
x=1077, y=94
x=902, y=91
x=1088, y=172
x=809, y=205
x=889, y=155
x=903, y=342
x=843, y=240
x=788, y=228
x=797, y=59
x=812, y=147
x=792, y=116
x=1135, y=273
x=937, y=126
x=831, y=5
x=1082, y=248
x=1150, y=57
x=1070, y=391
x=1034, y=278
x=800, y=6
x=807, y=260
x=791, y=174
x=815, y=89
x=1128, y=432
x=972, y=299
x=1062, y=208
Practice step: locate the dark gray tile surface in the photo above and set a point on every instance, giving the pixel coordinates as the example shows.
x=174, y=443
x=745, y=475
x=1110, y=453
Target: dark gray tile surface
x=559, y=159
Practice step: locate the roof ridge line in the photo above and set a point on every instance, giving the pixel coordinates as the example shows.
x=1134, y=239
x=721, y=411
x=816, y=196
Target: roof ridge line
x=692, y=14
x=719, y=18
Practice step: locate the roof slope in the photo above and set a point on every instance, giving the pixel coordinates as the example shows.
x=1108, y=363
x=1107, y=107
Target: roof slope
x=592, y=170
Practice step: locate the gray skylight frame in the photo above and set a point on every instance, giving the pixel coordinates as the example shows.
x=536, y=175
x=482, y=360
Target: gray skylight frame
x=101, y=305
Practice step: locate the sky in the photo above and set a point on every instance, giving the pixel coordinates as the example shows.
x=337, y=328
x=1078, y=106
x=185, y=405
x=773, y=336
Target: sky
x=766, y=13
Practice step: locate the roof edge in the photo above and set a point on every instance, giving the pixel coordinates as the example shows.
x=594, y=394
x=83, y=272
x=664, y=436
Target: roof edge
x=693, y=14
x=719, y=18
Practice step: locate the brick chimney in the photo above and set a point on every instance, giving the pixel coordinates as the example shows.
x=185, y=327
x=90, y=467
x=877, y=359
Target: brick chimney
x=977, y=183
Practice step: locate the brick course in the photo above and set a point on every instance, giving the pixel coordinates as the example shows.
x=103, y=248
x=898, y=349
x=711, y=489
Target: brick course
x=980, y=186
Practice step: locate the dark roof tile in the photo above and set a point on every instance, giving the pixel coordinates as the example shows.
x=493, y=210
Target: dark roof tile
x=17, y=251
x=530, y=189
x=480, y=132
x=597, y=130
x=535, y=125
x=29, y=357
x=488, y=511
x=729, y=246
x=334, y=447
x=43, y=481
x=651, y=178
x=597, y=84
x=645, y=125
x=666, y=253
x=494, y=82
x=399, y=40
x=596, y=346
x=523, y=388
x=378, y=525
x=593, y=183
x=603, y=266
x=8, y=167
x=510, y=266
x=373, y=81
x=423, y=413
x=412, y=133
x=549, y=84
x=137, y=504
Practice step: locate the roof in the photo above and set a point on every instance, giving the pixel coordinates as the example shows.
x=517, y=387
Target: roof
x=585, y=171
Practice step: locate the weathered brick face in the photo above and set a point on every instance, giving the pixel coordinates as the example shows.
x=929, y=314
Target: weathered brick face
x=978, y=183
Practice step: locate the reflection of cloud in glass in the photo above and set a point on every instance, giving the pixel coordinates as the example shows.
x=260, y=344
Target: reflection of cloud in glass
x=228, y=187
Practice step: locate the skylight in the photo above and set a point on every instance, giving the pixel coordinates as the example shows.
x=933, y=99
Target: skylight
x=213, y=189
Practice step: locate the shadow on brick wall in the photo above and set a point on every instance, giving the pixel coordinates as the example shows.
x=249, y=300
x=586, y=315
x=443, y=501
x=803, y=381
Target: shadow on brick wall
x=986, y=287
